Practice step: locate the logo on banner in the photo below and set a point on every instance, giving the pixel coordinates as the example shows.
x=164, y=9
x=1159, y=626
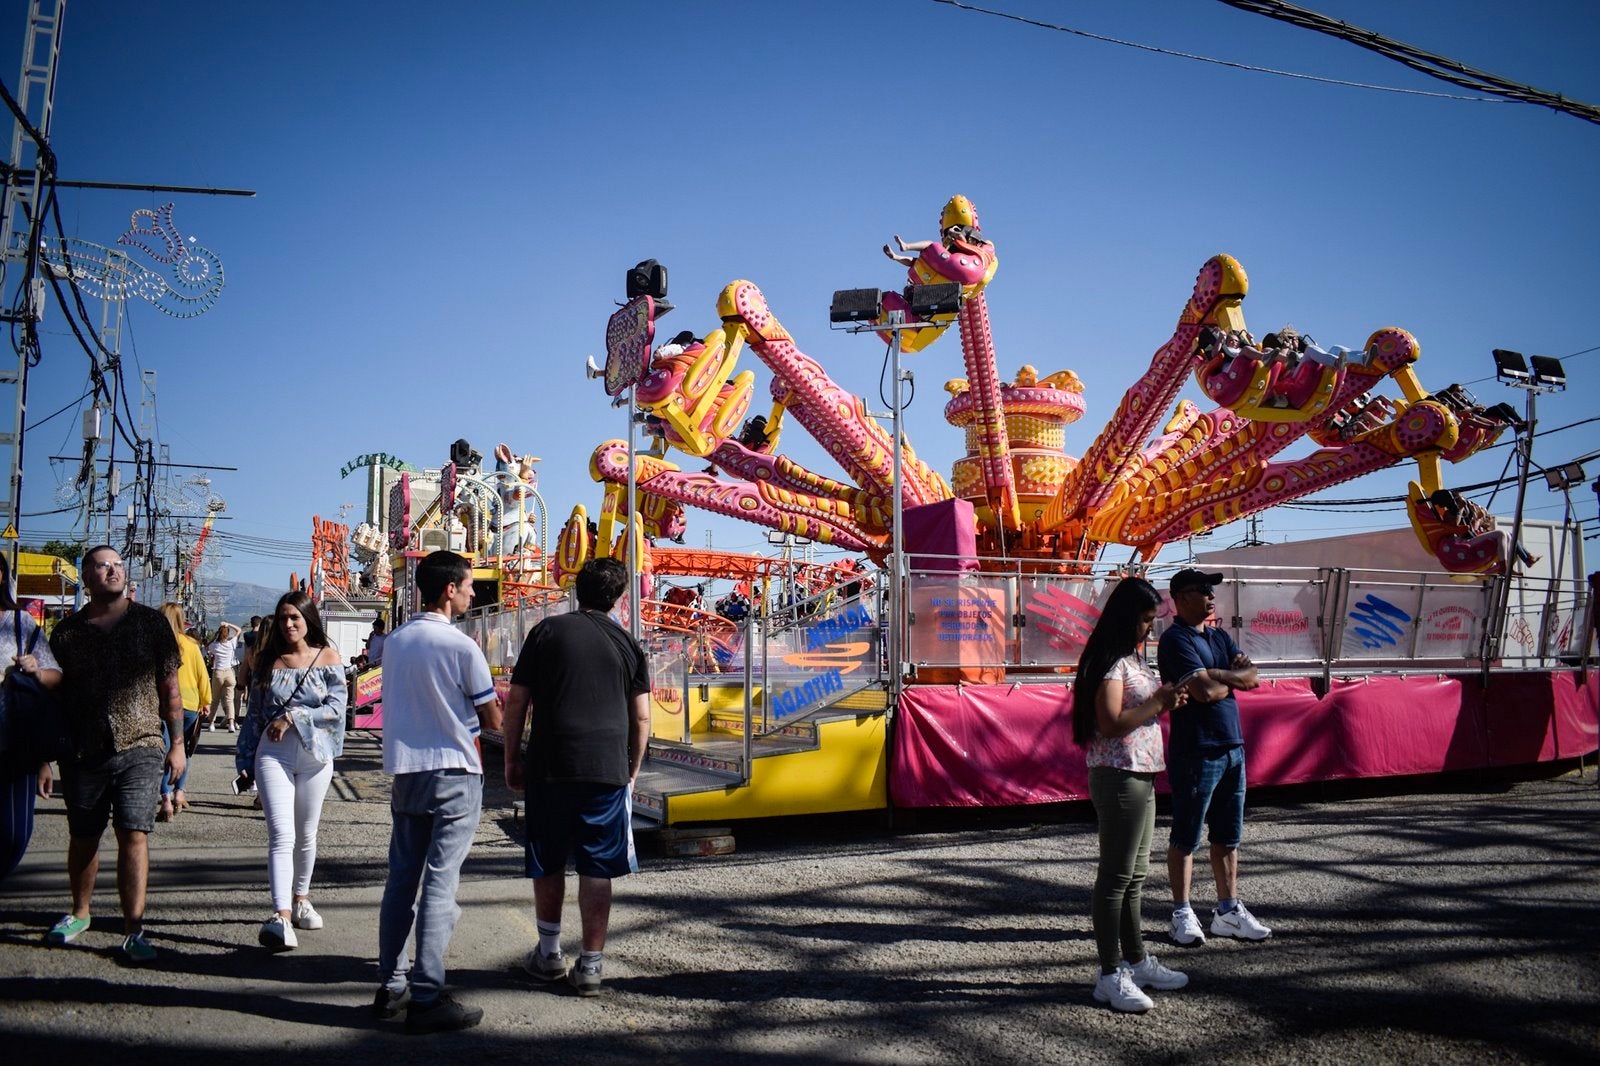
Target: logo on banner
x=1279, y=623
x=1452, y=624
x=668, y=699
x=1377, y=622
x=844, y=658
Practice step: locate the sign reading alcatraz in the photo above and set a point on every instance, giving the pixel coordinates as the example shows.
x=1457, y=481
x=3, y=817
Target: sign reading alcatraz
x=375, y=459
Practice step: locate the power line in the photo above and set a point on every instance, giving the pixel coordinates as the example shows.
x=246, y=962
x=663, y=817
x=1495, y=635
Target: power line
x=1210, y=59
x=61, y=411
x=1435, y=66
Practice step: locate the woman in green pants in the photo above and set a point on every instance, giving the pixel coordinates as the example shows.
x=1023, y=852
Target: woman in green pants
x=1116, y=699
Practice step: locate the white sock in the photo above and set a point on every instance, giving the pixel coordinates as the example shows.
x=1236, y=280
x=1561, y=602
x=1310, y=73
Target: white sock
x=591, y=960
x=549, y=938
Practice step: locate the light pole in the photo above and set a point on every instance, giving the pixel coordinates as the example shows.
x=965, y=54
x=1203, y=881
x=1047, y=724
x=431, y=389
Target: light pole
x=629, y=333
x=861, y=311
x=1546, y=375
x=1561, y=479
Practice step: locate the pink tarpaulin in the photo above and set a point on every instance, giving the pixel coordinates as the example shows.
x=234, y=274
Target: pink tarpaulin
x=1005, y=745
x=946, y=531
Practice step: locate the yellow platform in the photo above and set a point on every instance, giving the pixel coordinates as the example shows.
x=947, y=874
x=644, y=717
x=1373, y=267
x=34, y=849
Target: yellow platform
x=847, y=771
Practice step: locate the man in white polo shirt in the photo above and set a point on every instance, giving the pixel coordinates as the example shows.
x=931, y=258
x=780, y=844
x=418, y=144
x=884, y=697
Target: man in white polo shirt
x=437, y=695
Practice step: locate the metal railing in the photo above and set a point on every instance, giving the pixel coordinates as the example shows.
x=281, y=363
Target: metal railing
x=1290, y=620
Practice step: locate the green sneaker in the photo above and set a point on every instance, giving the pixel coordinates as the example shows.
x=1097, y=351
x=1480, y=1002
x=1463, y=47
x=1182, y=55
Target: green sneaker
x=136, y=949
x=66, y=930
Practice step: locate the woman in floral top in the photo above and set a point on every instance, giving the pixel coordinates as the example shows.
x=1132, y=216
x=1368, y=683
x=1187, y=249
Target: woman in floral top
x=292, y=732
x=1116, y=699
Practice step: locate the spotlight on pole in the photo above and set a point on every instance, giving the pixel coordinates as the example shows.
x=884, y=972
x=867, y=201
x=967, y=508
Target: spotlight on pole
x=649, y=278
x=1548, y=373
x=856, y=305
x=929, y=300
x=1564, y=476
x=1510, y=367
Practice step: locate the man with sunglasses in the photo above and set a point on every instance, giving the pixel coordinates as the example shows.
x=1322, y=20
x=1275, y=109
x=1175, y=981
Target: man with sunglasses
x=1205, y=758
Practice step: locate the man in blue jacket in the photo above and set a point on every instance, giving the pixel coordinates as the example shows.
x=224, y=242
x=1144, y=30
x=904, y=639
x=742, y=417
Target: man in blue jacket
x=1205, y=758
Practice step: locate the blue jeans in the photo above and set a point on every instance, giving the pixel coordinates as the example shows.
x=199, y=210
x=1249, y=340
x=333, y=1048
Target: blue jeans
x=189, y=720
x=16, y=817
x=435, y=816
x=1209, y=791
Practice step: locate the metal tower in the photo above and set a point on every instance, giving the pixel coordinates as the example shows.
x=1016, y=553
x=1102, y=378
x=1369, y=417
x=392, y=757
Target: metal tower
x=21, y=221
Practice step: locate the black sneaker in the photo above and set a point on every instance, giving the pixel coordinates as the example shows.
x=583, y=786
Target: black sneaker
x=387, y=1004
x=443, y=1015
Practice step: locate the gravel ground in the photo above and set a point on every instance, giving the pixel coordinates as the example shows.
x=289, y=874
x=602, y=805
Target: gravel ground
x=1440, y=921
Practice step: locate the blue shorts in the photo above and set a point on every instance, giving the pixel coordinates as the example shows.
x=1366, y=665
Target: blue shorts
x=1209, y=791
x=590, y=823
x=128, y=782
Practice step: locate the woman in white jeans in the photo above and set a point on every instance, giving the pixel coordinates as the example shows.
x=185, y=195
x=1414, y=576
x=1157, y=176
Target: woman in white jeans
x=292, y=732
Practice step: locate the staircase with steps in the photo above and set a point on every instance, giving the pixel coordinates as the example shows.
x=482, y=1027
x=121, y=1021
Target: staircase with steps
x=815, y=729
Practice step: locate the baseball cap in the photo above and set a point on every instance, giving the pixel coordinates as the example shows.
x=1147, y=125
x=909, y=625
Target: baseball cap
x=1191, y=578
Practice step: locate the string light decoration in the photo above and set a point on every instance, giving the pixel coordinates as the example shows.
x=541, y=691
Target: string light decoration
x=188, y=286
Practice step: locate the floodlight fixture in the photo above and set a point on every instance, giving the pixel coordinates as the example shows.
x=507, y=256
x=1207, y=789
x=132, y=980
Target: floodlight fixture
x=856, y=305
x=1510, y=367
x=929, y=300
x=1563, y=477
x=1548, y=372
x=649, y=278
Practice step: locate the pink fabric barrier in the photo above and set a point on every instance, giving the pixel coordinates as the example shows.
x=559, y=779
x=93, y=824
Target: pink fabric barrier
x=1005, y=745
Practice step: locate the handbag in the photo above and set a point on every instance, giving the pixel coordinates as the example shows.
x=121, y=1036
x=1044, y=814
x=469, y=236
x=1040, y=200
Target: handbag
x=34, y=729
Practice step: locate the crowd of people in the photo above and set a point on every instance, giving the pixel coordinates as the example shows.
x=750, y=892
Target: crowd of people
x=134, y=689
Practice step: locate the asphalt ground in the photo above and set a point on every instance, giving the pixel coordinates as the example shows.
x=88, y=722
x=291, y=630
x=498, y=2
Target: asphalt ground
x=1449, y=920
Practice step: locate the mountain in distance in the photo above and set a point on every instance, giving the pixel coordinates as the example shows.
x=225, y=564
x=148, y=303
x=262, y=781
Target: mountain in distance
x=240, y=600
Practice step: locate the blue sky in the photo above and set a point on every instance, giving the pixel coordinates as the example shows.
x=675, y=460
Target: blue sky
x=448, y=198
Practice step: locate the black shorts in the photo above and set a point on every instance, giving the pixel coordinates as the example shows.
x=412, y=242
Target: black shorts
x=591, y=823
x=127, y=783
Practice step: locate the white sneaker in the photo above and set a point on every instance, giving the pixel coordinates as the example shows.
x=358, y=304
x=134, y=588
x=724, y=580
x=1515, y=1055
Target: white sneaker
x=1186, y=928
x=1117, y=988
x=277, y=935
x=306, y=916
x=1239, y=922
x=1151, y=974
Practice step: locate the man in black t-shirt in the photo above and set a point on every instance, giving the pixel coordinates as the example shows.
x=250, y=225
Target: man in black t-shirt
x=586, y=684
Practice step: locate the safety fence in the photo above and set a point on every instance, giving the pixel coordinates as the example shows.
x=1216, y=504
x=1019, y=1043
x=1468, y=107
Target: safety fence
x=1289, y=620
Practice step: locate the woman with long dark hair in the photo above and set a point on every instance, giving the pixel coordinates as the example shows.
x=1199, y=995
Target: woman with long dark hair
x=293, y=731
x=23, y=649
x=1116, y=699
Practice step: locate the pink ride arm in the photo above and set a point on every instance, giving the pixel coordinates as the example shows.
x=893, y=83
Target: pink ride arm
x=828, y=521
x=1220, y=287
x=836, y=419
x=994, y=449
x=1172, y=511
x=784, y=475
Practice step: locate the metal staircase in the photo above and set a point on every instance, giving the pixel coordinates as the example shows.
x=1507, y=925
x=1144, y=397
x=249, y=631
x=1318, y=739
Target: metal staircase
x=821, y=664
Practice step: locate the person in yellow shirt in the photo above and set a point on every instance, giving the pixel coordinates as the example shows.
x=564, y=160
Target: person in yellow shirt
x=194, y=686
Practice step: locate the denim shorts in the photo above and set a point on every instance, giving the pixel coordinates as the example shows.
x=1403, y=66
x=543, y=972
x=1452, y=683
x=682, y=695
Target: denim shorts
x=591, y=823
x=1209, y=791
x=128, y=783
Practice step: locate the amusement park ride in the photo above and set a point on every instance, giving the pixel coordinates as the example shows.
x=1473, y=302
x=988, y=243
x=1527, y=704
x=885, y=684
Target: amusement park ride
x=1018, y=514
